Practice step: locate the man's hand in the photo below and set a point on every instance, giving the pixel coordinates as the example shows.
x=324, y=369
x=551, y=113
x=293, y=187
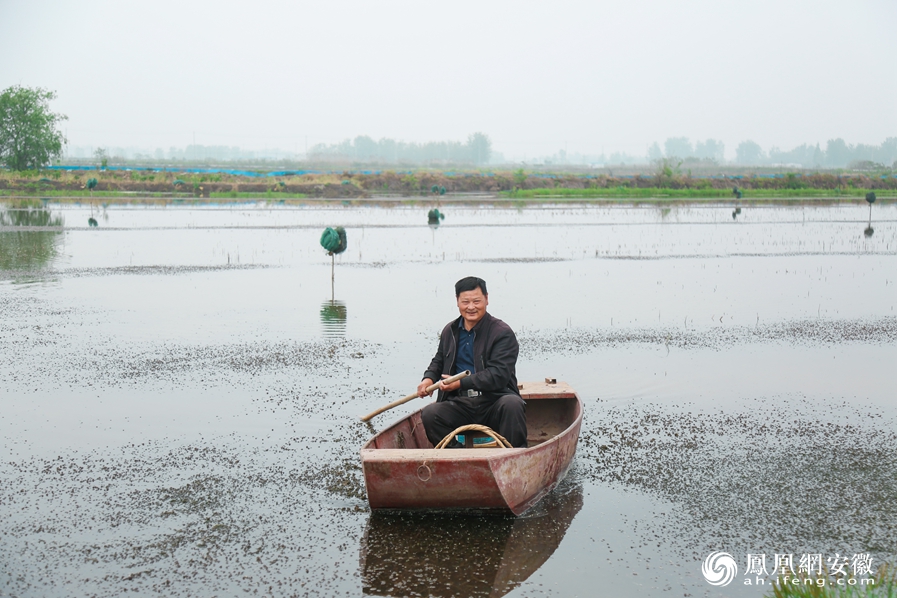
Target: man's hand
x=451, y=385
x=422, y=387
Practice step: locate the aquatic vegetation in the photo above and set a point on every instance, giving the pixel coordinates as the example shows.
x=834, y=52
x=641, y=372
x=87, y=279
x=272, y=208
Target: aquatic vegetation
x=689, y=193
x=688, y=457
x=187, y=424
x=881, y=585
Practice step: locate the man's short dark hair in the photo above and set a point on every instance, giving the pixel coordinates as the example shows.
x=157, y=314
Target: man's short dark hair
x=471, y=283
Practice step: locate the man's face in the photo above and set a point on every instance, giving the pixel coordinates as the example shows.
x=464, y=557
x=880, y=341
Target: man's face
x=472, y=305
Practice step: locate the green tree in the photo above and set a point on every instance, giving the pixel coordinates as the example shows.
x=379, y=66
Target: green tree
x=748, y=152
x=710, y=150
x=837, y=153
x=28, y=135
x=479, y=148
x=667, y=170
x=101, y=157
x=678, y=147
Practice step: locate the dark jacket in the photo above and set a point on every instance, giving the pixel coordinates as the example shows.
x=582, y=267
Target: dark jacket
x=494, y=356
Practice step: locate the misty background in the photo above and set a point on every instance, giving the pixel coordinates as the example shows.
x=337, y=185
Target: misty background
x=787, y=82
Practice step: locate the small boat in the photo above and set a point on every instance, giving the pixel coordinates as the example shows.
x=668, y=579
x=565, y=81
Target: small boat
x=402, y=469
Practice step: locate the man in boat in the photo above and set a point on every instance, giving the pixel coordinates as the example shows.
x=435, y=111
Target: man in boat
x=486, y=346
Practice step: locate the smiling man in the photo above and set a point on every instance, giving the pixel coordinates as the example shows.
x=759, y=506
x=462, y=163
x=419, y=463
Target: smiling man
x=487, y=347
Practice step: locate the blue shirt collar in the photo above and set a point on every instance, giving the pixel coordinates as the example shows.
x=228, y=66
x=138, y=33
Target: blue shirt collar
x=475, y=326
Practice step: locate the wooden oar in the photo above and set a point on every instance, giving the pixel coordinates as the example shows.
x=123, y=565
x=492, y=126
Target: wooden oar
x=431, y=388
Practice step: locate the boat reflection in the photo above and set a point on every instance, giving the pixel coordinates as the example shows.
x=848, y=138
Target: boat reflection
x=440, y=554
x=333, y=319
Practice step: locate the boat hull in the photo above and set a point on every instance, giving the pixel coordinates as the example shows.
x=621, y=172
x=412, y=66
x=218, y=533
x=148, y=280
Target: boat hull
x=421, y=477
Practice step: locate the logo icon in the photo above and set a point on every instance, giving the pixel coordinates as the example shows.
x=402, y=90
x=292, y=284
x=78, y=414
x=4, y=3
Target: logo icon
x=719, y=568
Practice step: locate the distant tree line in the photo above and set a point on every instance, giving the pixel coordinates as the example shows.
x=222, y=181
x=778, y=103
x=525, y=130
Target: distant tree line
x=207, y=154
x=837, y=154
x=30, y=138
x=363, y=149
x=711, y=150
x=225, y=153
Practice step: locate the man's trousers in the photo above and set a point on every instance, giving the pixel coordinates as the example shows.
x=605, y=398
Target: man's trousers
x=506, y=415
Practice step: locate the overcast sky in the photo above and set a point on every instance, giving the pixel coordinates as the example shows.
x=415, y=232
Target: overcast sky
x=535, y=76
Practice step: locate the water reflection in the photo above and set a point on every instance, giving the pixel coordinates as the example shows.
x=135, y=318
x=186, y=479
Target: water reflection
x=868, y=231
x=434, y=217
x=417, y=554
x=28, y=249
x=333, y=318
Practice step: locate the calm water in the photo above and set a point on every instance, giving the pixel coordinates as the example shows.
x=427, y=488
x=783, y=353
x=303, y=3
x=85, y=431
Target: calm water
x=181, y=389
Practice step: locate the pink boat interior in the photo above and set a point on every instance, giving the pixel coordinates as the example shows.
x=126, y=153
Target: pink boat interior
x=550, y=409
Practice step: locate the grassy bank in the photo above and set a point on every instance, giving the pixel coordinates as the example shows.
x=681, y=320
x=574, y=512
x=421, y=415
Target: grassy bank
x=442, y=186
x=267, y=195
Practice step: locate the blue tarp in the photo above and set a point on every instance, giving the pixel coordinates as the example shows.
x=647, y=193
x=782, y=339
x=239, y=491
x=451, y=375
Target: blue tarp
x=284, y=173
x=249, y=173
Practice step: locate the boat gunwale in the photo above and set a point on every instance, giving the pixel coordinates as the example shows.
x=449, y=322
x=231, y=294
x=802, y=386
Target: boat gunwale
x=463, y=454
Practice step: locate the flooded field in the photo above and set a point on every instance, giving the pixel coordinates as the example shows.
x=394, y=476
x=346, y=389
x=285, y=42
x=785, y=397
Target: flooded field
x=181, y=386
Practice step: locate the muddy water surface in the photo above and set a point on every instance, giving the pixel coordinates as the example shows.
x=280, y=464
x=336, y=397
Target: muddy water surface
x=181, y=389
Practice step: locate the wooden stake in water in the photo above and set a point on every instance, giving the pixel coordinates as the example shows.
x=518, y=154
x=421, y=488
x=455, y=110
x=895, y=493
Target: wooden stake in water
x=869, y=231
x=334, y=241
